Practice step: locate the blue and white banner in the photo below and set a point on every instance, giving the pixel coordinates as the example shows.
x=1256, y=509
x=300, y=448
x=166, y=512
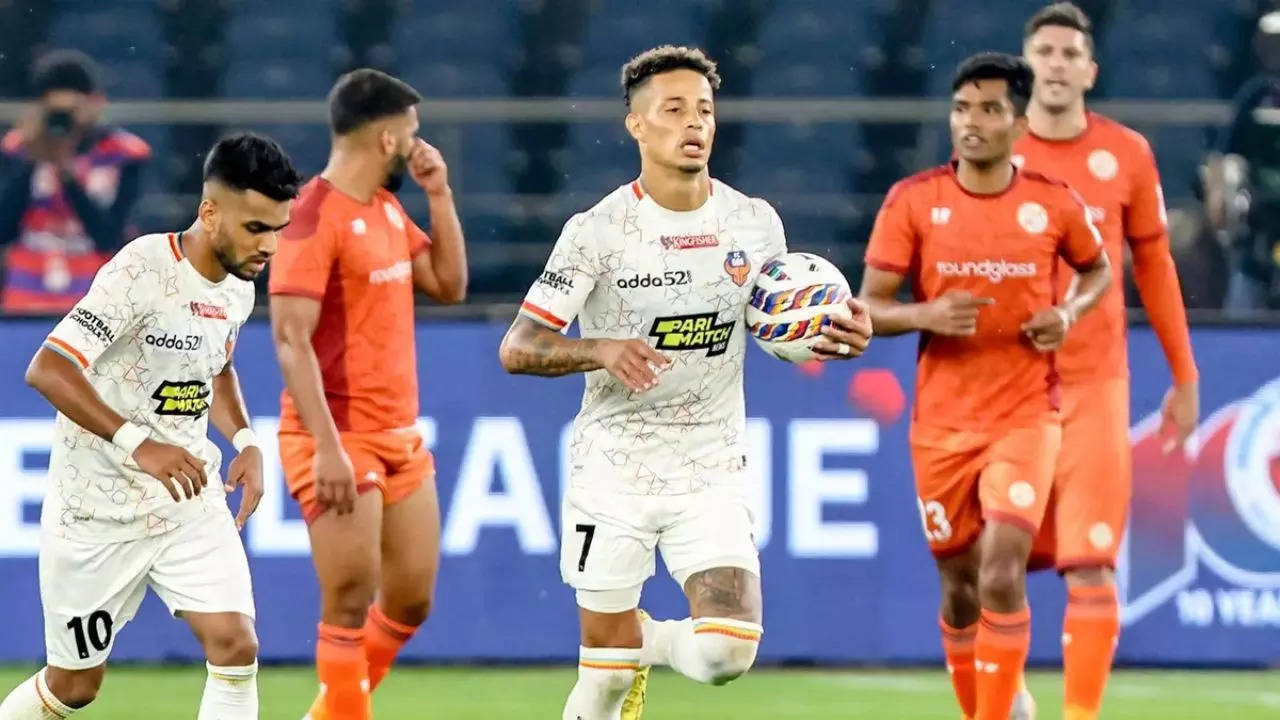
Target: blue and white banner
x=847, y=576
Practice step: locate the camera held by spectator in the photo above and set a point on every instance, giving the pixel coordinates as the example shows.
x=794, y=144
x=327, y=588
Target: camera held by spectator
x=67, y=185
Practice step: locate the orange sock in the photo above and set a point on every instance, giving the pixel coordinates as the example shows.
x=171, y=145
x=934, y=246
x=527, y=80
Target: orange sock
x=383, y=639
x=1089, y=631
x=344, y=673
x=957, y=646
x=1000, y=652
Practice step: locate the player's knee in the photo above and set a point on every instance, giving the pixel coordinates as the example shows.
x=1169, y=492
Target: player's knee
x=960, y=607
x=1002, y=582
x=75, y=688
x=726, y=658
x=233, y=649
x=347, y=603
x=411, y=611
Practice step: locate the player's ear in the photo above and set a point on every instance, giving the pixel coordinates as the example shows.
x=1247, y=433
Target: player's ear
x=1020, y=124
x=1093, y=76
x=634, y=126
x=209, y=216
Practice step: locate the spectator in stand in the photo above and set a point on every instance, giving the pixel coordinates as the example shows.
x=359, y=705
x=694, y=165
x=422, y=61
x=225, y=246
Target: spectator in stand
x=67, y=186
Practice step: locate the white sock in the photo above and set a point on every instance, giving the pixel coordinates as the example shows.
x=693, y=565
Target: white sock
x=604, y=676
x=708, y=650
x=230, y=693
x=32, y=700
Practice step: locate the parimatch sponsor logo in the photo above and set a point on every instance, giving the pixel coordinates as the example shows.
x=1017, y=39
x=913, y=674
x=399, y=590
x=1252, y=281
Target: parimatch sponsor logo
x=189, y=398
x=692, y=332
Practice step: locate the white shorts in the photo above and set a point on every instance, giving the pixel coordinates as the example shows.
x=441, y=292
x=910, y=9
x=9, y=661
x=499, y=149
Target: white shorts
x=90, y=590
x=608, y=540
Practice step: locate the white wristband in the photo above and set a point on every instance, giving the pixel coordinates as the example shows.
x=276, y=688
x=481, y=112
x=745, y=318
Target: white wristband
x=129, y=437
x=244, y=438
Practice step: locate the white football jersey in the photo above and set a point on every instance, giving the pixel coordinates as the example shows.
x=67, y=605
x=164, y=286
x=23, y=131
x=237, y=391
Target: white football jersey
x=629, y=268
x=151, y=334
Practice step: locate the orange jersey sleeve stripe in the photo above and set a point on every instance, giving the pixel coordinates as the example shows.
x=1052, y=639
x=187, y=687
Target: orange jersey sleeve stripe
x=174, y=247
x=542, y=315
x=64, y=349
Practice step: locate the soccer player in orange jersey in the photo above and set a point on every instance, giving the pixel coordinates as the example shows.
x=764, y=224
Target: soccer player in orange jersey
x=980, y=241
x=1113, y=169
x=342, y=316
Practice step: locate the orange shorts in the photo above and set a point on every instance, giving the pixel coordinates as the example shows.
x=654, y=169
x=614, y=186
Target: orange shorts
x=964, y=479
x=394, y=462
x=1092, y=483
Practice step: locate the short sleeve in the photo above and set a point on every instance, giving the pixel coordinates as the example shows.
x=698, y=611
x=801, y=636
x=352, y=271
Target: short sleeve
x=1144, y=214
x=119, y=297
x=557, y=296
x=419, y=240
x=893, y=237
x=304, y=260
x=1080, y=243
x=777, y=241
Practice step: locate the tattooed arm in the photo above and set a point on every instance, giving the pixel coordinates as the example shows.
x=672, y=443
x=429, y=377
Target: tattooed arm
x=533, y=349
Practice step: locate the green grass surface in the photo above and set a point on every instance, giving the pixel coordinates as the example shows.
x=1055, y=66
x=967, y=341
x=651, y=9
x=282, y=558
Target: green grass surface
x=133, y=692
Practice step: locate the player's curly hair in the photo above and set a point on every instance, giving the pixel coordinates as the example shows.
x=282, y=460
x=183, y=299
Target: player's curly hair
x=1061, y=14
x=665, y=58
x=998, y=66
x=362, y=96
x=247, y=161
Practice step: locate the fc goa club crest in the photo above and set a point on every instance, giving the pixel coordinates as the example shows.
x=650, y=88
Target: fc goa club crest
x=738, y=266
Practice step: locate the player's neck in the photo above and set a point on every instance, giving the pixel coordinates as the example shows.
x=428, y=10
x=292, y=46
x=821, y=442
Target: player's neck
x=985, y=178
x=354, y=174
x=195, y=247
x=675, y=190
x=1067, y=124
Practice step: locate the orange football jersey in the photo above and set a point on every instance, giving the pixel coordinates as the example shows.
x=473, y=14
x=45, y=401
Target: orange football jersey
x=1113, y=169
x=356, y=259
x=1004, y=246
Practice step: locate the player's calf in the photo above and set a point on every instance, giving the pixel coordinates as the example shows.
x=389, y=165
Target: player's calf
x=52, y=693
x=1002, y=570
x=718, y=644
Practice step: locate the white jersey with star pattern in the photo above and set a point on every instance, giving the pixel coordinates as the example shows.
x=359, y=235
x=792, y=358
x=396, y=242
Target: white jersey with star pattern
x=629, y=268
x=150, y=334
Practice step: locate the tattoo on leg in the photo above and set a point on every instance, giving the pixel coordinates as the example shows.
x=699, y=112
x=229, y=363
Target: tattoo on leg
x=726, y=592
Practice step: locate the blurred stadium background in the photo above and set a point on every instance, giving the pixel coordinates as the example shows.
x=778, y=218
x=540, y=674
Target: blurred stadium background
x=825, y=104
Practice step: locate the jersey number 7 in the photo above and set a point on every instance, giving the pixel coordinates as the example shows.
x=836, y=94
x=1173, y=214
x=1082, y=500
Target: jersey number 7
x=588, y=532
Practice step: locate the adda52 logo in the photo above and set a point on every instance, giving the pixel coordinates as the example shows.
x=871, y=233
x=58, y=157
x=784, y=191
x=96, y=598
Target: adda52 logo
x=1215, y=509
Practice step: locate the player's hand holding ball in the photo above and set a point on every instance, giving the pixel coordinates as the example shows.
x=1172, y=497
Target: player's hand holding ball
x=427, y=168
x=246, y=471
x=846, y=337
x=335, y=478
x=633, y=362
x=955, y=313
x=1047, y=329
x=174, y=467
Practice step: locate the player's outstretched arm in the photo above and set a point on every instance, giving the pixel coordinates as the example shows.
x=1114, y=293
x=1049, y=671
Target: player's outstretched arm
x=231, y=417
x=66, y=388
x=532, y=349
x=955, y=313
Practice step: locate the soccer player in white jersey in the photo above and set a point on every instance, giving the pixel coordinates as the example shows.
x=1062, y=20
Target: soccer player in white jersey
x=136, y=371
x=658, y=274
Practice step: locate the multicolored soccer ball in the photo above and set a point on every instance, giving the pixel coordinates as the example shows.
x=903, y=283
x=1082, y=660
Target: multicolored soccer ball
x=795, y=295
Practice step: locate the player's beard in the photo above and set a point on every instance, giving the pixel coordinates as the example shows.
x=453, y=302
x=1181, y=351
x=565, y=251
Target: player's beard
x=223, y=253
x=395, y=173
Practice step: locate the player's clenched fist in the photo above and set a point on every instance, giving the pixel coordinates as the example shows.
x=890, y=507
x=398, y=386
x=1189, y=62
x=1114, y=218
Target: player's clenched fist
x=633, y=362
x=1048, y=328
x=335, y=479
x=955, y=313
x=174, y=467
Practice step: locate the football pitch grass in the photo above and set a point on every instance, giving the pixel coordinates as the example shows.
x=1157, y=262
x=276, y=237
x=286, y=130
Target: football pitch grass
x=135, y=692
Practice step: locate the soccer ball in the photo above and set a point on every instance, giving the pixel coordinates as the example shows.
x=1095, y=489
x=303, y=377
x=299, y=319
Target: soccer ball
x=795, y=295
